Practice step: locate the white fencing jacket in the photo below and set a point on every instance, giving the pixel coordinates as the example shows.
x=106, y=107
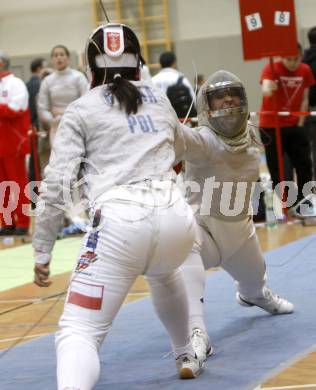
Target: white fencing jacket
x=108, y=148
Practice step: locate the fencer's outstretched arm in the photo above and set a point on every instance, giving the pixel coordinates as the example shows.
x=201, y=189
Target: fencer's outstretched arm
x=198, y=145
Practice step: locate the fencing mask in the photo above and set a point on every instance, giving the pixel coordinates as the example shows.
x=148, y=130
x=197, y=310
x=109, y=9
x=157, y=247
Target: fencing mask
x=222, y=105
x=112, y=49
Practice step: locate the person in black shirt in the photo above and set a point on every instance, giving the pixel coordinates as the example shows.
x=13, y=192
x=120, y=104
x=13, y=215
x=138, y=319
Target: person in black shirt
x=37, y=67
x=33, y=85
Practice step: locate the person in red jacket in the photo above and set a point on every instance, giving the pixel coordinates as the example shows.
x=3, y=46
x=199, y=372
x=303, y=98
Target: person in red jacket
x=289, y=82
x=14, y=145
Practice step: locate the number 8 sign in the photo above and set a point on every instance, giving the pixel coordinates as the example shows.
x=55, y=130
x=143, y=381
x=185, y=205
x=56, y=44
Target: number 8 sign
x=282, y=18
x=268, y=28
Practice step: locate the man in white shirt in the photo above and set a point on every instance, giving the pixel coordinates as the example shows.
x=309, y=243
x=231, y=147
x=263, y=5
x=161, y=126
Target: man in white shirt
x=180, y=98
x=169, y=74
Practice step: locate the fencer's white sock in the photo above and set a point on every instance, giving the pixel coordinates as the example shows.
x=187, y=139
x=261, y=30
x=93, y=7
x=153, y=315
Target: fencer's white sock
x=194, y=276
x=170, y=301
x=78, y=365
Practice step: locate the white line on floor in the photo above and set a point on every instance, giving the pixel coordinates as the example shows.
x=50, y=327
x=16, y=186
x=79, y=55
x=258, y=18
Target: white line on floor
x=139, y=293
x=296, y=387
x=22, y=338
x=39, y=300
x=36, y=300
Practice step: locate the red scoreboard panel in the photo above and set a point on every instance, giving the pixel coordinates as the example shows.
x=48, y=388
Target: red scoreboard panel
x=268, y=28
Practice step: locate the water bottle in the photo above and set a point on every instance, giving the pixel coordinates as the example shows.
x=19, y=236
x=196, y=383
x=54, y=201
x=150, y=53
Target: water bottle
x=271, y=222
x=8, y=240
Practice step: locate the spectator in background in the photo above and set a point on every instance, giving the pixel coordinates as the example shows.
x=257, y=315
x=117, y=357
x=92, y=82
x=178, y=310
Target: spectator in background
x=33, y=85
x=59, y=89
x=14, y=145
x=309, y=58
x=290, y=84
x=175, y=85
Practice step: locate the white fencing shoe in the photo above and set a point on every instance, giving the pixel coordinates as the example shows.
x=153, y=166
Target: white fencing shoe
x=305, y=208
x=201, y=344
x=270, y=302
x=188, y=366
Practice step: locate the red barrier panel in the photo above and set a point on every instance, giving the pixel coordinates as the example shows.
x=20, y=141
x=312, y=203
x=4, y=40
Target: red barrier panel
x=34, y=139
x=268, y=28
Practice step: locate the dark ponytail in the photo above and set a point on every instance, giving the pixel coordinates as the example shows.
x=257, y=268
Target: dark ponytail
x=125, y=92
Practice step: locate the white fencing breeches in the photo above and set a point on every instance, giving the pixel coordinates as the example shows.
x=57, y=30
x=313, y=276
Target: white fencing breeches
x=234, y=247
x=132, y=239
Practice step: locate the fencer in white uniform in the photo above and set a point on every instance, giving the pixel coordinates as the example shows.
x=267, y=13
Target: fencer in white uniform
x=59, y=89
x=125, y=137
x=220, y=174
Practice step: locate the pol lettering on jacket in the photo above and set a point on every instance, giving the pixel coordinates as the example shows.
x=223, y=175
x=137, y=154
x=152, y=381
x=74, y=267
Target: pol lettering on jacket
x=141, y=123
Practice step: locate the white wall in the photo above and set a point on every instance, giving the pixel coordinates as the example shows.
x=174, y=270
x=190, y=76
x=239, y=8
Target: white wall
x=35, y=26
x=204, y=18
x=305, y=13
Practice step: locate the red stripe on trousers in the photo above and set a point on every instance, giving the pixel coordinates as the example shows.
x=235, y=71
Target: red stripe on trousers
x=85, y=301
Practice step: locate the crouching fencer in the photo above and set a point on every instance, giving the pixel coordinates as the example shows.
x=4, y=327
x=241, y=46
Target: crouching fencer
x=126, y=130
x=223, y=157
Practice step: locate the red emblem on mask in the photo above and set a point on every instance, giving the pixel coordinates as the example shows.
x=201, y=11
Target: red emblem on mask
x=113, y=41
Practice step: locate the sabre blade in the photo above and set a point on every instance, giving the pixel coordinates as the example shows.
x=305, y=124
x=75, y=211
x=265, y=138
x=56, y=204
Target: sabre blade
x=104, y=11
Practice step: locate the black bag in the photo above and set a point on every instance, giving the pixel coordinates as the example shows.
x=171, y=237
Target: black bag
x=181, y=99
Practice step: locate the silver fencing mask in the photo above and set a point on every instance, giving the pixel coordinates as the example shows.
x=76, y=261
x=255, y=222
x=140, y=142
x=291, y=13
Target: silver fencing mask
x=222, y=105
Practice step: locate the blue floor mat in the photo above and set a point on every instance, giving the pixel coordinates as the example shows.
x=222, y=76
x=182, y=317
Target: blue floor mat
x=249, y=343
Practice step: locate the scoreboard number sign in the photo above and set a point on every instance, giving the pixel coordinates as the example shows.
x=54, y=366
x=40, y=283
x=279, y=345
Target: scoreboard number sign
x=282, y=18
x=268, y=28
x=253, y=21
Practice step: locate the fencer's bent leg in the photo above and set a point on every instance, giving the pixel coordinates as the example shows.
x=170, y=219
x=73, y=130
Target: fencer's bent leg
x=247, y=268
x=209, y=252
x=174, y=237
x=193, y=271
x=96, y=293
x=194, y=276
x=78, y=362
x=170, y=302
x=83, y=329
